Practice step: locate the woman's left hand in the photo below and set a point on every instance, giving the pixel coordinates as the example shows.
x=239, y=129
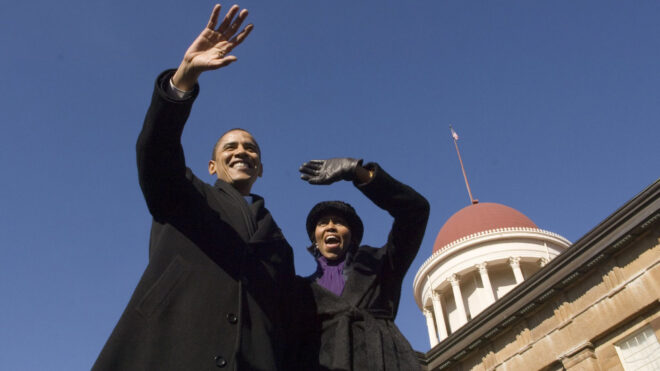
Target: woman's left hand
x=330, y=170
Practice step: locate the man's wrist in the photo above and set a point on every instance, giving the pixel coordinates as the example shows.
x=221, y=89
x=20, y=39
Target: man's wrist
x=183, y=79
x=176, y=92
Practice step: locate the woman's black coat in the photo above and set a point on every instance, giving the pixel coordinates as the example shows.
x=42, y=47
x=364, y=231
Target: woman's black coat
x=356, y=330
x=216, y=290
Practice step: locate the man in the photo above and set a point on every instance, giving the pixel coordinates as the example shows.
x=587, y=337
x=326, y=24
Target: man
x=215, y=291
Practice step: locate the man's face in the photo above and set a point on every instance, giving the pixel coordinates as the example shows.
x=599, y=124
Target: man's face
x=237, y=160
x=332, y=236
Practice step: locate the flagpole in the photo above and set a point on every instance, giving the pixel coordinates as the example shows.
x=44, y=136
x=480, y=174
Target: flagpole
x=467, y=185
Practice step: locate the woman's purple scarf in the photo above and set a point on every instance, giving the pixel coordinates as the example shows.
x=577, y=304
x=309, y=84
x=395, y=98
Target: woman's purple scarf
x=333, y=274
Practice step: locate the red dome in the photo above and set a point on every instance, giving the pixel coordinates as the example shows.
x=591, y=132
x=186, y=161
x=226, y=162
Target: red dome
x=478, y=218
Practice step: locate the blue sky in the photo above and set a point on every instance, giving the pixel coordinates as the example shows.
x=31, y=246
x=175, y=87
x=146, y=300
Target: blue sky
x=556, y=104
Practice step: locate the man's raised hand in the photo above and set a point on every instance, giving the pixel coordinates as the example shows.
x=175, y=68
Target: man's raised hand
x=210, y=49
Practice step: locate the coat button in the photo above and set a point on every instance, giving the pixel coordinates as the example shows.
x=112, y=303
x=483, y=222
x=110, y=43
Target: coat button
x=220, y=362
x=232, y=318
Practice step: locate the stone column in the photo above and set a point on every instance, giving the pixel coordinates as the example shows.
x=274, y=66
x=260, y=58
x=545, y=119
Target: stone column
x=458, y=298
x=431, y=326
x=517, y=273
x=439, y=315
x=483, y=272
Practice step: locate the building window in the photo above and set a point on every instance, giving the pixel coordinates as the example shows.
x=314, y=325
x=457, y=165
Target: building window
x=639, y=351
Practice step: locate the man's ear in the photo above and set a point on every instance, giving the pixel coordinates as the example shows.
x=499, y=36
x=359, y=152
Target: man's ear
x=261, y=170
x=212, y=168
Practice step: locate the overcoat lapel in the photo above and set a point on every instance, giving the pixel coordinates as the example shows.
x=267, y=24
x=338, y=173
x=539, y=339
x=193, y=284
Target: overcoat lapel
x=240, y=217
x=266, y=228
x=361, y=277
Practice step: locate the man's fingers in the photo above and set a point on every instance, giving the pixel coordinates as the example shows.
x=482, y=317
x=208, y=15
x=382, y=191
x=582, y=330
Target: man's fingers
x=214, y=64
x=224, y=47
x=236, y=24
x=228, y=18
x=214, y=17
x=242, y=35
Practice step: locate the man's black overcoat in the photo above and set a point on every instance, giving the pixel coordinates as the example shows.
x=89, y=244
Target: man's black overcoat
x=215, y=291
x=356, y=330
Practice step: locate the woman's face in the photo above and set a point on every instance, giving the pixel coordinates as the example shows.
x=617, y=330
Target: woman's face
x=332, y=236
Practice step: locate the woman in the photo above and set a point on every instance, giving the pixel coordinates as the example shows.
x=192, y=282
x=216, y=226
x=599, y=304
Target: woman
x=354, y=293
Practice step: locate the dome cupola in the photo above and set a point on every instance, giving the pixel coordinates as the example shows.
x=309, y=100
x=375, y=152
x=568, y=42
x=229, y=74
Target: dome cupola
x=480, y=254
x=480, y=217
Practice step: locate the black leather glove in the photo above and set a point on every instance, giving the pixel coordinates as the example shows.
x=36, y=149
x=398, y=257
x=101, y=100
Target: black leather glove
x=330, y=170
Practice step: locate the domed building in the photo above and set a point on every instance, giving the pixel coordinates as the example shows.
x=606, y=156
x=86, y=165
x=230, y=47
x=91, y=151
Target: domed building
x=480, y=254
x=499, y=293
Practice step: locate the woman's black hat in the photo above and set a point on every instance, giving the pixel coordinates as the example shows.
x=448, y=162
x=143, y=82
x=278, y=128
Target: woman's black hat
x=340, y=208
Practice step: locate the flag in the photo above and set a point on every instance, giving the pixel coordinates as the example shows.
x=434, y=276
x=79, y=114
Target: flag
x=453, y=133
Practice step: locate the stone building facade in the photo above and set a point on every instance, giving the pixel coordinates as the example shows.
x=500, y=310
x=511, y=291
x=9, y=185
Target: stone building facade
x=593, y=306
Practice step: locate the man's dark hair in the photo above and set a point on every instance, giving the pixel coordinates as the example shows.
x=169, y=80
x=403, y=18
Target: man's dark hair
x=215, y=147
